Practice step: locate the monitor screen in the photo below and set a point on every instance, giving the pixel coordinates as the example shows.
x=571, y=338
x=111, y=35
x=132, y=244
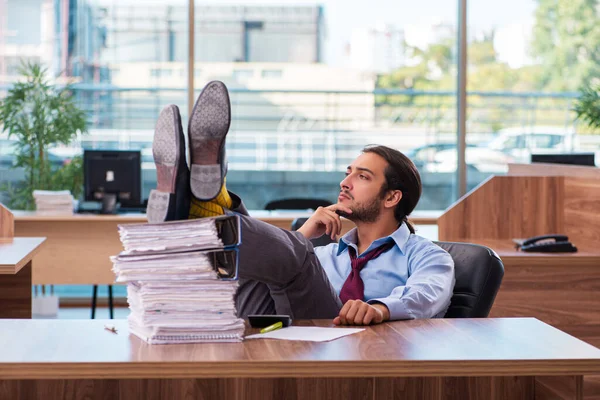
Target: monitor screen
x=572, y=158
x=115, y=172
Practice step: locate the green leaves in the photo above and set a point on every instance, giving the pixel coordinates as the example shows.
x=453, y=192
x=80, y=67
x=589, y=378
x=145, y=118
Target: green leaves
x=38, y=115
x=565, y=42
x=587, y=106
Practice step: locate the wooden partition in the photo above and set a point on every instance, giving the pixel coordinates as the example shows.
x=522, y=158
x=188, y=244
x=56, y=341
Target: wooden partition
x=562, y=289
x=7, y=223
x=520, y=205
x=542, y=169
x=505, y=207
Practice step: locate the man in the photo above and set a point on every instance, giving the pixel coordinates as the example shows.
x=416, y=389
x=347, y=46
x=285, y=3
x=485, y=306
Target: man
x=378, y=271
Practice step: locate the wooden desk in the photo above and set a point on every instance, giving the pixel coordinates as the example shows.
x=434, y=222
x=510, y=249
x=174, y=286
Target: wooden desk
x=560, y=289
x=586, y=256
x=16, y=256
x=426, y=359
x=79, y=246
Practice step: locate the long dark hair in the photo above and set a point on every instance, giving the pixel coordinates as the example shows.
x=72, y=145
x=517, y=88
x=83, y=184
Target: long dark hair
x=400, y=174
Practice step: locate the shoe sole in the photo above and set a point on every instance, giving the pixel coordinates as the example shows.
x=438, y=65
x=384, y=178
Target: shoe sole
x=165, y=150
x=207, y=128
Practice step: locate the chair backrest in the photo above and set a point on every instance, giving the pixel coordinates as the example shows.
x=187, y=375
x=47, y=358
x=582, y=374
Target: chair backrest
x=479, y=272
x=320, y=241
x=297, y=204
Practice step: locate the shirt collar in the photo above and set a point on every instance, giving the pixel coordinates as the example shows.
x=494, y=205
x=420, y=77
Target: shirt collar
x=399, y=236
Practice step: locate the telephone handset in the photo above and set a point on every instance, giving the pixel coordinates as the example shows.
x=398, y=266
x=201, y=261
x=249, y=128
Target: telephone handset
x=554, y=243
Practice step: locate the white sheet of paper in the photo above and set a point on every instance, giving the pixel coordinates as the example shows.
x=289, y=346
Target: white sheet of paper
x=307, y=333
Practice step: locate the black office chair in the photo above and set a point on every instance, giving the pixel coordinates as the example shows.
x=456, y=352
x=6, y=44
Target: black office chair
x=320, y=241
x=479, y=272
x=296, y=204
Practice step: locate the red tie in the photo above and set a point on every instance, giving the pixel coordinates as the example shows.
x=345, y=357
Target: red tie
x=354, y=288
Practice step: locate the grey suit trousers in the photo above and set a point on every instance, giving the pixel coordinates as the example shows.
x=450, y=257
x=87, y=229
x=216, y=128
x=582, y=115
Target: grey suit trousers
x=279, y=273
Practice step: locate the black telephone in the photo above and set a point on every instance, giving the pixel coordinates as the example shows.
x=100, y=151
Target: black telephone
x=548, y=244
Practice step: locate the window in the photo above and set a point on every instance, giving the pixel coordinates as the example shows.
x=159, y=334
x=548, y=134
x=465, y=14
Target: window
x=114, y=44
x=161, y=72
x=527, y=62
x=243, y=74
x=272, y=73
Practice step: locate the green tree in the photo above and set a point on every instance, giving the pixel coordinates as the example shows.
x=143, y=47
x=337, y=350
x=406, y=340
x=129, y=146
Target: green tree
x=566, y=43
x=485, y=72
x=39, y=115
x=482, y=51
x=435, y=69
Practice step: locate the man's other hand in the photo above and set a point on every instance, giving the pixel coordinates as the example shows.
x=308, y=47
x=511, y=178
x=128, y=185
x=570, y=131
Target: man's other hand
x=324, y=221
x=357, y=312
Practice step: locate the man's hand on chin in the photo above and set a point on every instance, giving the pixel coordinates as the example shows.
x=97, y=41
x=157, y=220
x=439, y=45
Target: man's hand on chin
x=357, y=312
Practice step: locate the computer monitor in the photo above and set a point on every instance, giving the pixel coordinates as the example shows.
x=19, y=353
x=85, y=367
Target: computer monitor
x=571, y=158
x=112, y=176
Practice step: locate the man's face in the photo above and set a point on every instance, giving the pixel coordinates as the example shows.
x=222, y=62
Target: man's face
x=361, y=189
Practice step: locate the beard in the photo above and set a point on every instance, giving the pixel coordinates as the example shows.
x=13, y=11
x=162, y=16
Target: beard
x=364, y=212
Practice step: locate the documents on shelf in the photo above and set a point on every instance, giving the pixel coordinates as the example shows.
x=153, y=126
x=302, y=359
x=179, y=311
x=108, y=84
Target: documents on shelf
x=49, y=202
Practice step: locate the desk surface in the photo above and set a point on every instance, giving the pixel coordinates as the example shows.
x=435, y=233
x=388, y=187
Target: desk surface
x=586, y=255
x=443, y=347
x=15, y=253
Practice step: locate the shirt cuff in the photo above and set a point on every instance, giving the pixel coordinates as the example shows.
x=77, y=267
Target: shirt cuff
x=395, y=306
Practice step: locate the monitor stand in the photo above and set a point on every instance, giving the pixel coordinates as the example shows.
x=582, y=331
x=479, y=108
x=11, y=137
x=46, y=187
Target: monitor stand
x=109, y=203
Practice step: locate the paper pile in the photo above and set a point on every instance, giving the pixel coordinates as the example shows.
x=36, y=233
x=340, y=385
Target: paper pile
x=53, y=202
x=181, y=280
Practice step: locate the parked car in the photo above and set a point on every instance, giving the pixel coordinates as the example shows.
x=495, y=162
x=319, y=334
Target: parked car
x=441, y=157
x=479, y=159
x=424, y=155
x=521, y=142
x=509, y=145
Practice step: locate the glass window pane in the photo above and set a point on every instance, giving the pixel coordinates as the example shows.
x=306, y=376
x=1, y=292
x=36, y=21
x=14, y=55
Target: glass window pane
x=528, y=60
x=127, y=61
x=311, y=85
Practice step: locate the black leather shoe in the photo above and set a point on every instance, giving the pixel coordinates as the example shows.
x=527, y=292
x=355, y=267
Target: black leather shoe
x=170, y=201
x=207, y=128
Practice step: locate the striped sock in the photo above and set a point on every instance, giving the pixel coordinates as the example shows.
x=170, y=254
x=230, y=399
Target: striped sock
x=212, y=208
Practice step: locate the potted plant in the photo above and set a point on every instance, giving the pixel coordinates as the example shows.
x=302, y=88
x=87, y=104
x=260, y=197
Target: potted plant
x=39, y=115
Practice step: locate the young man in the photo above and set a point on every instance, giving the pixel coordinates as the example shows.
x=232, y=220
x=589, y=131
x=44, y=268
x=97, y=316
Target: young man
x=378, y=271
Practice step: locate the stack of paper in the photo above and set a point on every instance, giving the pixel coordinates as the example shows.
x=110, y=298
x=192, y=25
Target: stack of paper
x=53, y=202
x=181, y=280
